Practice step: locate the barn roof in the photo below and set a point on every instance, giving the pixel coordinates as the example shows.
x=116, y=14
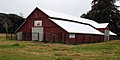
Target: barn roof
x=102, y=25
x=73, y=27
x=55, y=14
x=73, y=18
x=111, y=33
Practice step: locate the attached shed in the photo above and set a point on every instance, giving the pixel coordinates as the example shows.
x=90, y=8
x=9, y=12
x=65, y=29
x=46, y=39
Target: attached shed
x=80, y=33
x=49, y=26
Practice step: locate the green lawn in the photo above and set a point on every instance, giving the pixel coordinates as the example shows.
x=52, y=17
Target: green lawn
x=28, y=50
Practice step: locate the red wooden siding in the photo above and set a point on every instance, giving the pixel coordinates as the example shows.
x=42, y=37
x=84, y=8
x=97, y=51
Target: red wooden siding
x=86, y=38
x=83, y=38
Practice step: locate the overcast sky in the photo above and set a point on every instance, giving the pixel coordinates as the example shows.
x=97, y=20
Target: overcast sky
x=72, y=7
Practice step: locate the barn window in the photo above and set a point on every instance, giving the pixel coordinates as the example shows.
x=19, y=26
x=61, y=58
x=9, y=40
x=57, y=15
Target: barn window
x=37, y=23
x=71, y=35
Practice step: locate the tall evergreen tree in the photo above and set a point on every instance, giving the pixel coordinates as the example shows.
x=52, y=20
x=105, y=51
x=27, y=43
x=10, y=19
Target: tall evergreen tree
x=105, y=11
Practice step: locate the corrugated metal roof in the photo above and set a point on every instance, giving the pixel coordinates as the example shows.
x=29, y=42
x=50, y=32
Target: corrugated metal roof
x=55, y=14
x=73, y=27
x=102, y=25
x=74, y=18
x=111, y=33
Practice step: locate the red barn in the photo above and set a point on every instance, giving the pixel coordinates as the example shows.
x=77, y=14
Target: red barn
x=50, y=26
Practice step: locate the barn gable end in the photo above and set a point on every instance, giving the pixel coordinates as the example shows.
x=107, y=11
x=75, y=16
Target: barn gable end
x=49, y=27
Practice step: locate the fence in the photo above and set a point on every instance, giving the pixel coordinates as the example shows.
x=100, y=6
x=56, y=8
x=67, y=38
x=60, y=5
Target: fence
x=56, y=37
x=11, y=36
x=48, y=37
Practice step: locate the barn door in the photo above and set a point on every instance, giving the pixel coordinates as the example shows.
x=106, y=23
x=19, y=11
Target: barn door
x=37, y=33
x=106, y=37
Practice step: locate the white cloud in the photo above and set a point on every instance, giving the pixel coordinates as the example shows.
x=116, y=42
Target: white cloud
x=73, y=7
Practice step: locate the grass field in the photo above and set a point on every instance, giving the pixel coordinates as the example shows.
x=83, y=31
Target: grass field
x=28, y=50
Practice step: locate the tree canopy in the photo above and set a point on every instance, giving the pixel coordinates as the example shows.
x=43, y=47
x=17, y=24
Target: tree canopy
x=9, y=22
x=105, y=11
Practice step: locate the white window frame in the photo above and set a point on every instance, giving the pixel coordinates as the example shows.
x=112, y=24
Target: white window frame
x=71, y=35
x=36, y=22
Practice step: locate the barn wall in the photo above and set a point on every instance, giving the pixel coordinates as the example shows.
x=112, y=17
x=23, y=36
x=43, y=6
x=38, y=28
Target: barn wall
x=71, y=41
x=86, y=38
x=83, y=38
x=52, y=32
x=102, y=29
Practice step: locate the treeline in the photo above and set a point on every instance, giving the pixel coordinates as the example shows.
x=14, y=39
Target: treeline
x=9, y=22
x=105, y=11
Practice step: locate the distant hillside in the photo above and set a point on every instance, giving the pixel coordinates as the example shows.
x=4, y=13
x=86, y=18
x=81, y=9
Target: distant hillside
x=9, y=22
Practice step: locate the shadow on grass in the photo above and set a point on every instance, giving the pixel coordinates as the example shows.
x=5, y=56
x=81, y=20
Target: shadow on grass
x=15, y=45
x=63, y=58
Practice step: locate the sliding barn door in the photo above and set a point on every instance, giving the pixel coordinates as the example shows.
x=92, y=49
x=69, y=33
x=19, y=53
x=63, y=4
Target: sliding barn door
x=37, y=33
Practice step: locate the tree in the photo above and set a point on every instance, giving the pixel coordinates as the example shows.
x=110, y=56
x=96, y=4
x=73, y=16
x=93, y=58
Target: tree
x=6, y=24
x=10, y=22
x=105, y=11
